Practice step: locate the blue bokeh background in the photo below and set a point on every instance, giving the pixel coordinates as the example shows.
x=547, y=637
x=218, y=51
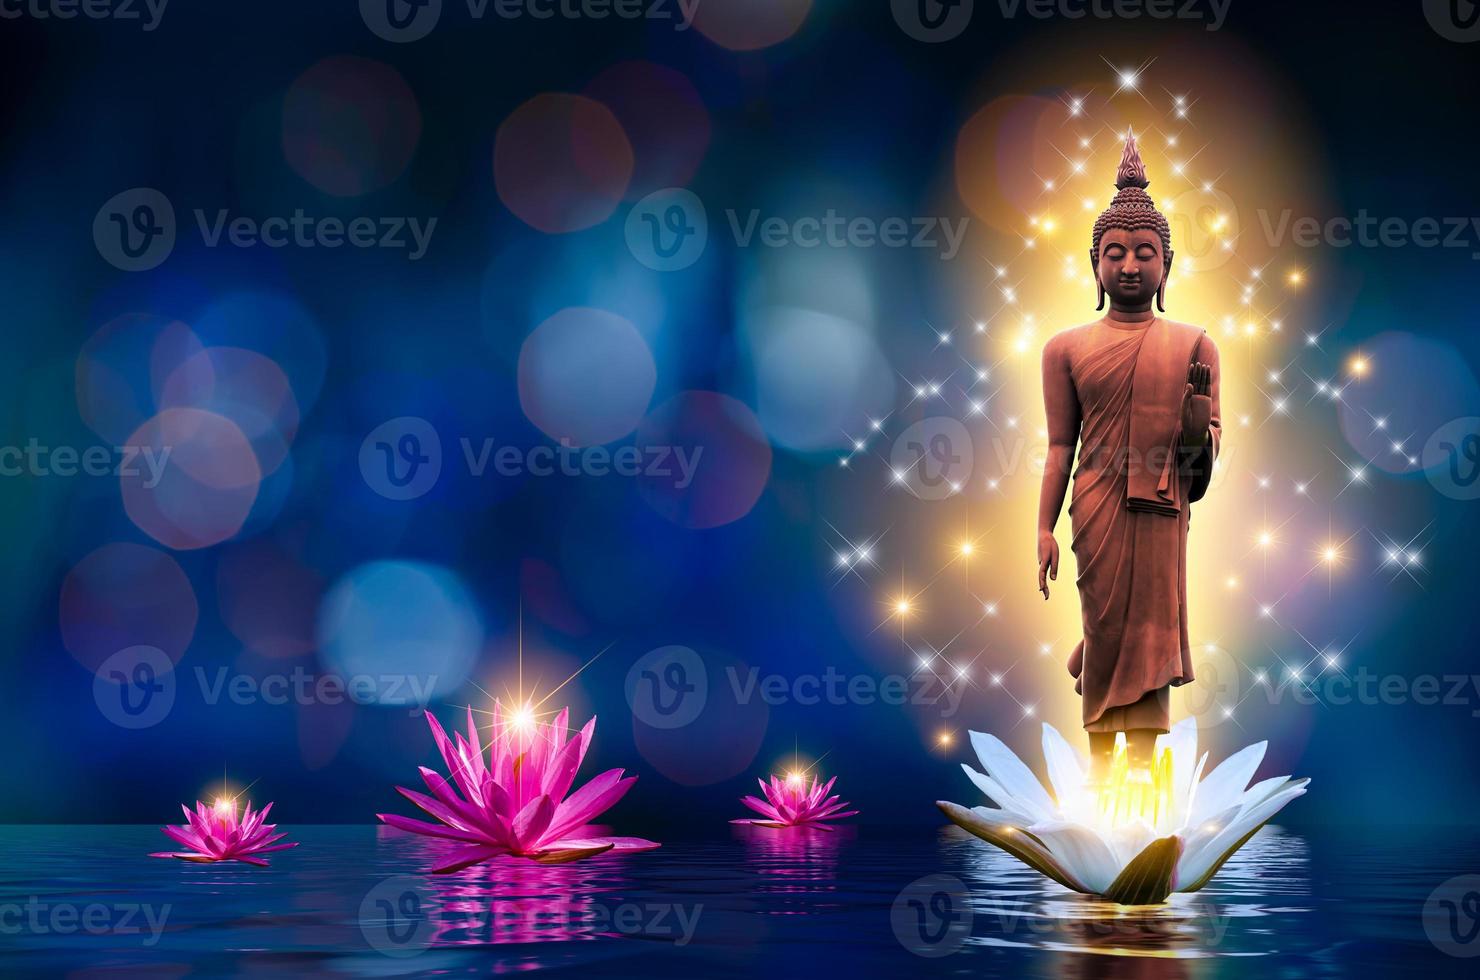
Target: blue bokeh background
x=573, y=567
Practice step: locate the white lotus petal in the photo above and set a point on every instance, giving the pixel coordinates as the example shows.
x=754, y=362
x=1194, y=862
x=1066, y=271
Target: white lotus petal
x=1224, y=785
x=994, y=791
x=1182, y=740
x=1193, y=866
x=1192, y=785
x=1065, y=769
x=1197, y=835
x=1128, y=840
x=1262, y=790
x=1081, y=851
x=1012, y=774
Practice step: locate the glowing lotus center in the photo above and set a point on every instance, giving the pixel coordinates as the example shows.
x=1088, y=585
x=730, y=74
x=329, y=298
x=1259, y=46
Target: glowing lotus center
x=522, y=719
x=1129, y=795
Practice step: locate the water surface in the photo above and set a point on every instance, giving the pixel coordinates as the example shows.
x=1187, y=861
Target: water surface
x=354, y=901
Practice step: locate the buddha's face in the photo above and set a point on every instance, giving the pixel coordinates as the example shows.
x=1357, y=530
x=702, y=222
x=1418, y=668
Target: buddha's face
x=1132, y=267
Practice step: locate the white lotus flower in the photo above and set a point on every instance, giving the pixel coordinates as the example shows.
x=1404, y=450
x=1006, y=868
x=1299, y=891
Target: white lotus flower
x=1131, y=842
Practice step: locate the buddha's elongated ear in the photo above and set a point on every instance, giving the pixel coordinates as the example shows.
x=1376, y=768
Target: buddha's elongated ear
x=1161, y=291
x=1094, y=270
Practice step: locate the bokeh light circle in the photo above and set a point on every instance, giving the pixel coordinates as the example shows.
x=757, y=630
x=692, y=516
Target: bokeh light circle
x=407, y=621
x=268, y=599
x=730, y=457
x=749, y=25
x=816, y=377
x=999, y=153
x=193, y=479
x=124, y=595
x=350, y=125
x=722, y=738
x=562, y=162
x=245, y=387
x=120, y=367
x=664, y=119
x=586, y=376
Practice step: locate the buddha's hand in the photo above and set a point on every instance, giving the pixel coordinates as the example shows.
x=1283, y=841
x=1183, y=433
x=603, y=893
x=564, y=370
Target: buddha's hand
x=1197, y=404
x=1048, y=560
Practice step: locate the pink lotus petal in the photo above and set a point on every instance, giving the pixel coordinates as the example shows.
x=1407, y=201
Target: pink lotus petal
x=516, y=800
x=565, y=854
x=589, y=801
x=221, y=833
x=795, y=803
x=530, y=824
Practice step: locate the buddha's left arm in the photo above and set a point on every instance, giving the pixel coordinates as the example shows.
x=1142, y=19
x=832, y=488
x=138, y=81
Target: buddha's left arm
x=1202, y=452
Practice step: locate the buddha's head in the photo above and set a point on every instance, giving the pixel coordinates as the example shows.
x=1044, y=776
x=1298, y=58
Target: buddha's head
x=1132, y=247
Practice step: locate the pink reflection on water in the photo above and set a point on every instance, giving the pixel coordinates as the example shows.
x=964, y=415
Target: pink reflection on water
x=516, y=900
x=800, y=861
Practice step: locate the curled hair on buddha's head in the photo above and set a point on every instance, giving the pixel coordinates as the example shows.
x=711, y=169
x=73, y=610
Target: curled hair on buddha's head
x=1132, y=209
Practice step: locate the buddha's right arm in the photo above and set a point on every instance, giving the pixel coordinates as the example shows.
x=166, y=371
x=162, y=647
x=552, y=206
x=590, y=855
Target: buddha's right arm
x=1061, y=407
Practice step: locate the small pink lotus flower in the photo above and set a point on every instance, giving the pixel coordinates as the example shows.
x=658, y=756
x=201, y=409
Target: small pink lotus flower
x=792, y=803
x=219, y=833
x=516, y=802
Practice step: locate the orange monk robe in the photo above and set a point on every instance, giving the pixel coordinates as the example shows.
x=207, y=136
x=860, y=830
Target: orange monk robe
x=1117, y=388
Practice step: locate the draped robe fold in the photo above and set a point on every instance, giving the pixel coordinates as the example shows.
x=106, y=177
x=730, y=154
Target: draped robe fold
x=1129, y=513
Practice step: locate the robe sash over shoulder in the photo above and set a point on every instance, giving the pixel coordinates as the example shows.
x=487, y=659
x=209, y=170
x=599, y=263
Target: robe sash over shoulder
x=1159, y=480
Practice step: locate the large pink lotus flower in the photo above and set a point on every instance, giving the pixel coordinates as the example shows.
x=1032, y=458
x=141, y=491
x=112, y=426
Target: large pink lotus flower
x=793, y=803
x=219, y=833
x=516, y=802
